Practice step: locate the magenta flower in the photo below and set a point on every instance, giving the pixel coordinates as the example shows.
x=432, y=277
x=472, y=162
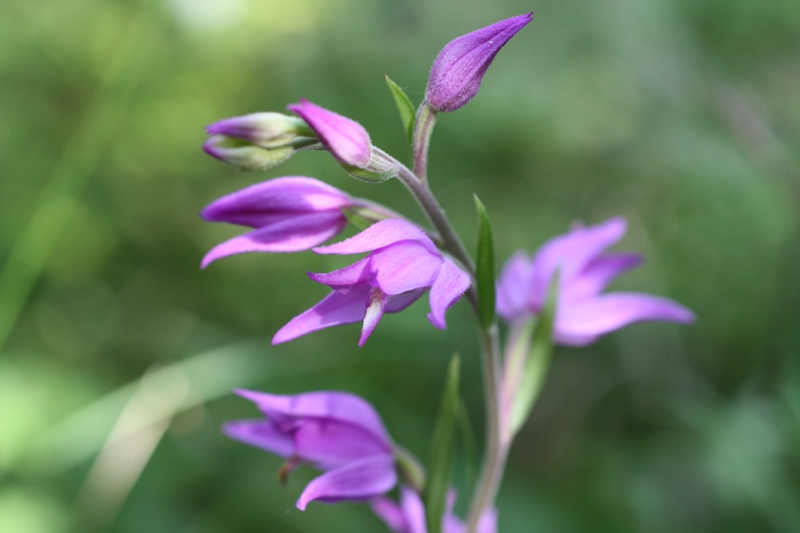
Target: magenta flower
x=404, y=263
x=288, y=214
x=459, y=68
x=345, y=139
x=583, y=314
x=337, y=432
x=409, y=516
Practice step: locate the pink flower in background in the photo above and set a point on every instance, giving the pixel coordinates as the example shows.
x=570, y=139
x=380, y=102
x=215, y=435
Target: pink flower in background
x=583, y=314
x=402, y=265
x=409, y=515
x=345, y=139
x=458, y=70
x=288, y=215
x=337, y=432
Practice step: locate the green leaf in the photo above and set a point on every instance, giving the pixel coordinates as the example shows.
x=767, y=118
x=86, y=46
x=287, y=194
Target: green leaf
x=538, y=361
x=404, y=106
x=484, y=268
x=468, y=443
x=442, y=450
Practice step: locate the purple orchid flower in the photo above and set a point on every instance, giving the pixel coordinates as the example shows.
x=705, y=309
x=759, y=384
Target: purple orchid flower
x=337, y=432
x=288, y=215
x=345, y=139
x=582, y=313
x=458, y=70
x=403, y=264
x=409, y=515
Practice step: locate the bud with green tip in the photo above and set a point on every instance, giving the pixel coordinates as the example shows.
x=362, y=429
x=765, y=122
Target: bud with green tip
x=257, y=141
x=266, y=129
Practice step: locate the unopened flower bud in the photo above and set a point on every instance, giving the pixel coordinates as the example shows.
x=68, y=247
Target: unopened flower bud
x=268, y=130
x=459, y=68
x=345, y=139
x=245, y=155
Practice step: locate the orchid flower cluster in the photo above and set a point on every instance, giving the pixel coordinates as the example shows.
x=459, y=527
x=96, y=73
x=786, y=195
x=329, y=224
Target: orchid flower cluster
x=554, y=296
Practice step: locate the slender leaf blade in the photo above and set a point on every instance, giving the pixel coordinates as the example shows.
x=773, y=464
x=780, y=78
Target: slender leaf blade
x=442, y=450
x=485, y=267
x=404, y=106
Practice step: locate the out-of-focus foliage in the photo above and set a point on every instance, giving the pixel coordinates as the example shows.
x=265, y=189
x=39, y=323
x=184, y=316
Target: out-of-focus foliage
x=117, y=353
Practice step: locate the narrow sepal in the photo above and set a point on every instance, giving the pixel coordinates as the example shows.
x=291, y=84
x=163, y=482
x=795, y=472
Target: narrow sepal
x=484, y=265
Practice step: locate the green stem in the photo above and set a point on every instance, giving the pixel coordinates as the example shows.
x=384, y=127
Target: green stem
x=423, y=128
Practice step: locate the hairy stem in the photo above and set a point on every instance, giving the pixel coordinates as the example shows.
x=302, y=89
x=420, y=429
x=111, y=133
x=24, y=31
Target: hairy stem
x=423, y=128
x=496, y=447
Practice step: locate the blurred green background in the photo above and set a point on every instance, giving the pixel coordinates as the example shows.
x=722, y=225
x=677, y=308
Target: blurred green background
x=117, y=353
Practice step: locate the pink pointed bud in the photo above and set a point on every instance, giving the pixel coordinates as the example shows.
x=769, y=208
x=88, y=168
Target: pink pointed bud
x=345, y=139
x=459, y=68
x=268, y=130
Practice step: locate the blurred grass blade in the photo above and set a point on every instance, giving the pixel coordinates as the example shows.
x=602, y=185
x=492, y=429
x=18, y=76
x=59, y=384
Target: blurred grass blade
x=485, y=267
x=442, y=450
x=197, y=380
x=537, y=363
x=404, y=106
x=468, y=444
x=32, y=248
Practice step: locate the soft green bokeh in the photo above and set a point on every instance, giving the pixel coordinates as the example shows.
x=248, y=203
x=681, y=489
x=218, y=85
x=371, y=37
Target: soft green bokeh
x=683, y=115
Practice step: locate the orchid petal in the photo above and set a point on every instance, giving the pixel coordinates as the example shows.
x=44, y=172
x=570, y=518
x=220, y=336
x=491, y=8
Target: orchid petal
x=348, y=276
x=377, y=236
x=343, y=306
x=609, y=312
x=398, y=302
x=290, y=234
x=340, y=407
x=571, y=253
x=258, y=204
x=413, y=511
x=448, y=287
x=261, y=434
x=374, y=312
x=390, y=513
x=513, y=286
x=359, y=480
x=404, y=266
x=597, y=275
